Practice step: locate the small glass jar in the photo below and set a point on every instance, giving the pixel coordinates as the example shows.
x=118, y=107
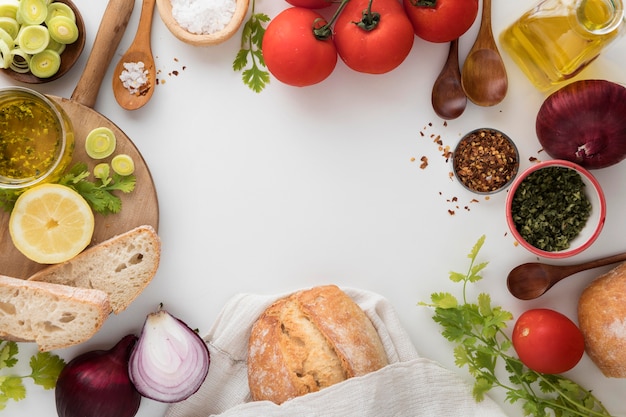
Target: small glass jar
x=36, y=139
x=557, y=39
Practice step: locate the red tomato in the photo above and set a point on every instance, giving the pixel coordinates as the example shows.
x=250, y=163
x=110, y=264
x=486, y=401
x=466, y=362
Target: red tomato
x=441, y=20
x=547, y=341
x=291, y=51
x=311, y=4
x=380, y=49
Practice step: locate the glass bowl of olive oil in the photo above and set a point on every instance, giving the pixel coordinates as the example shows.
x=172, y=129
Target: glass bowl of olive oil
x=555, y=209
x=36, y=139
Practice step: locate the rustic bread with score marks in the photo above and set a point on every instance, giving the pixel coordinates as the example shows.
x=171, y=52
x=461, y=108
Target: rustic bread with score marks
x=121, y=266
x=51, y=315
x=309, y=341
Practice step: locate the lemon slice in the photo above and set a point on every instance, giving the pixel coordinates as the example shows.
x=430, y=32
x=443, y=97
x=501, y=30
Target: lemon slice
x=51, y=223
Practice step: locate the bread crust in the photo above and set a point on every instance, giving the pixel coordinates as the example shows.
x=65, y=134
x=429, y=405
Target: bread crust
x=308, y=341
x=122, y=266
x=51, y=315
x=602, y=320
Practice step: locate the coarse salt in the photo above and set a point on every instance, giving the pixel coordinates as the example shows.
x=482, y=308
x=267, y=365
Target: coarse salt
x=134, y=77
x=203, y=17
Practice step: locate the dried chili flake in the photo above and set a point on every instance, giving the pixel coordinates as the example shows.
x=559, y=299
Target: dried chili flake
x=485, y=160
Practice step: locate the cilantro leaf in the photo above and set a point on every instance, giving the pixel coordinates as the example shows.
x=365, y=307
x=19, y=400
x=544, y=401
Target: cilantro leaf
x=46, y=368
x=99, y=193
x=477, y=330
x=8, y=355
x=250, y=56
x=13, y=388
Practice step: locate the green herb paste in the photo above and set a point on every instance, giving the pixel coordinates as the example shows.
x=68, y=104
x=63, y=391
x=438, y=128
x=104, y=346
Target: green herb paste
x=29, y=139
x=550, y=208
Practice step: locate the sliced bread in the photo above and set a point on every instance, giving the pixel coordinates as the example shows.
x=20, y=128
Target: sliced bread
x=121, y=266
x=51, y=315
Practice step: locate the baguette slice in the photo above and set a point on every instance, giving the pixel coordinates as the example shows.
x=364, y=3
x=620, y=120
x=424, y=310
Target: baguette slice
x=121, y=266
x=51, y=315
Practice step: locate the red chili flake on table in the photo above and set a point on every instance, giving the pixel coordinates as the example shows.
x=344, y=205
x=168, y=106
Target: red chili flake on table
x=485, y=160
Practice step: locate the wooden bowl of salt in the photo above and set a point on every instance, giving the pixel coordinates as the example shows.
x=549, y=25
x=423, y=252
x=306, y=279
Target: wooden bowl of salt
x=208, y=24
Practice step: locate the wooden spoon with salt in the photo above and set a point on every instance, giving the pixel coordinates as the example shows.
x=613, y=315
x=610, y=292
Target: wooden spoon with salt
x=139, y=51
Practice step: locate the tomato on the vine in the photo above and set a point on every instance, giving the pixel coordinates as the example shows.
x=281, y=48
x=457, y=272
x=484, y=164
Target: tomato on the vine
x=374, y=40
x=547, y=341
x=441, y=20
x=292, y=52
x=311, y=4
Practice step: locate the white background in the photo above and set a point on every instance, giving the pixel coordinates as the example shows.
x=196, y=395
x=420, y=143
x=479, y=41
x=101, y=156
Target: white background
x=297, y=187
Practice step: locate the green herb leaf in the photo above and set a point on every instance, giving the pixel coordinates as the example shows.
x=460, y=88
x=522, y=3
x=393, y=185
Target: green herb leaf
x=250, y=56
x=480, y=343
x=46, y=368
x=98, y=193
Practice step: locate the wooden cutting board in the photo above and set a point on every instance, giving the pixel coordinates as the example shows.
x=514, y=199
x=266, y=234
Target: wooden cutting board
x=140, y=206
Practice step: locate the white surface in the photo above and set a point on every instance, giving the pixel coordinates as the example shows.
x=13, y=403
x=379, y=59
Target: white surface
x=292, y=188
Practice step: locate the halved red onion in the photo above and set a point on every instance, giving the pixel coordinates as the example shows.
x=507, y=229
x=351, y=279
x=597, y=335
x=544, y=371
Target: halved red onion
x=170, y=361
x=585, y=122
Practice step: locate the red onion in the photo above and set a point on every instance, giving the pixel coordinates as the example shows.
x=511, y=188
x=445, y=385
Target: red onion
x=170, y=361
x=585, y=123
x=97, y=384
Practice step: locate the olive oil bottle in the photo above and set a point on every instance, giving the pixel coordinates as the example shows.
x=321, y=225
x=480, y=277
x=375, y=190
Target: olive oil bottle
x=557, y=39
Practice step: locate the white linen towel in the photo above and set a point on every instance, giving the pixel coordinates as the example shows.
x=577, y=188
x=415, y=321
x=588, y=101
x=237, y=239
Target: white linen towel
x=410, y=386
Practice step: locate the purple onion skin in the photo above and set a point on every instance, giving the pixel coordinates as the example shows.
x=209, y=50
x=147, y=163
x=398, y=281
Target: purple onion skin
x=96, y=384
x=585, y=123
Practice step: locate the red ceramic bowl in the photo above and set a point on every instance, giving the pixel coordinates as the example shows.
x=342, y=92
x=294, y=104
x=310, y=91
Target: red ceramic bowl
x=593, y=226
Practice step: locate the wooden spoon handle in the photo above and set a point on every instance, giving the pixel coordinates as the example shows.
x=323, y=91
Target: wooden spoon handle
x=110, y=33
x=573, y=269
x=145, y=24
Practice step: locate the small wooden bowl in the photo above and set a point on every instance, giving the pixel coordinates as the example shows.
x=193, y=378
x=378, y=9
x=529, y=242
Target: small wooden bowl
x=68, y=57
x=165, y=10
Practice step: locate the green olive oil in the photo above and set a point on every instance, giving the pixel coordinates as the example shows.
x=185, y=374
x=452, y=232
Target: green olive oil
x=559, y=38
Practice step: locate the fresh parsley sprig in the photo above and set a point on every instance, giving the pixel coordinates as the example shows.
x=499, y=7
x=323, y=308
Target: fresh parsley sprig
x=98, y=193
x=45, y=369
x=256, y=76
x=478, y=332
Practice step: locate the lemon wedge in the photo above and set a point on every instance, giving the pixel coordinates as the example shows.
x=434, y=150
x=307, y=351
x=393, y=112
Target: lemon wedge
x=51, y=223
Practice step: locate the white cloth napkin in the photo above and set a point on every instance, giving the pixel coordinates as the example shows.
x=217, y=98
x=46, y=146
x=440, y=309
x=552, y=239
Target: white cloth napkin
x=409, y=386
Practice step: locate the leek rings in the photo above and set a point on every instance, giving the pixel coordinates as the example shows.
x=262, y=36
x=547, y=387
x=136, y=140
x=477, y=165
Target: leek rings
x=8, y=8
x=5, y=55
x=32, y=12
x=63, y=29
x=59, y=9
x=100, y=143
x=123, y=165
x=45, y=64
x=10, y=26
x=33, y=39
x=20, y=61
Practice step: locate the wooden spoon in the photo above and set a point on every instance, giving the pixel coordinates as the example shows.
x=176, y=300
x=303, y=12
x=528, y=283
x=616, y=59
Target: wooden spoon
x=531, y=280
x=139, y=51
x=484, y=77
x=448, y=98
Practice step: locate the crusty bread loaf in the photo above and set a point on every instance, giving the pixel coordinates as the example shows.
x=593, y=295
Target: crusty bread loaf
x=602, y=320
x=54, y=316
x=308, y=341
x=121, y=266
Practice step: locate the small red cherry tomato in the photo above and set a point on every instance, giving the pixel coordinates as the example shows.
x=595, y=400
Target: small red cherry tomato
x=373, y=43
x=441, y=20
x=546, y=341
x=291, y=51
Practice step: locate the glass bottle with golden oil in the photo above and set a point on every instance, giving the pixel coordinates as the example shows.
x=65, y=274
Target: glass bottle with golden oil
x=557, y=39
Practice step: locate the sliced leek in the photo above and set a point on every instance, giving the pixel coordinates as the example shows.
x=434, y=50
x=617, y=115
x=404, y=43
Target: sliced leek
x=63, y=29
x=10, y=26
x=32, y=12
x=8, y=8
x=7, y=38
x=33, y=39
x=5, y=55
x=45, y=64
x=20, y=61
x=60, y=9
x=56, y=46
x=100, y=143
x=123, y=164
